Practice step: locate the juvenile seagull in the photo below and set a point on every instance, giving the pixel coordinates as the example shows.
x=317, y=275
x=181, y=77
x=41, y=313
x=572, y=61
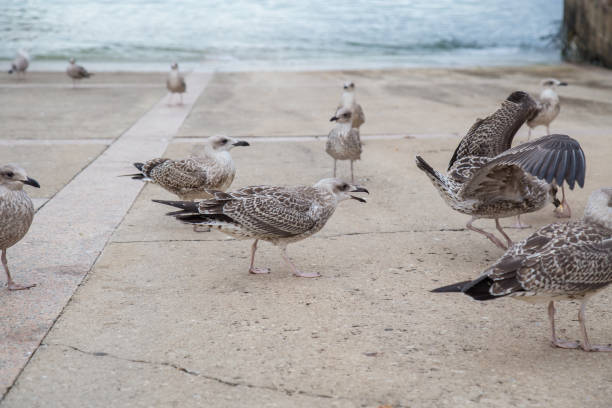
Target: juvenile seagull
x=191, y=179
x=558, y=262
x=486, y=179
x=20, y=63
x=548, y=106
x=343, y=142
x=176, y=83
x=280, y=215
x=76, y=72
x=347, y=100
x=16, y=213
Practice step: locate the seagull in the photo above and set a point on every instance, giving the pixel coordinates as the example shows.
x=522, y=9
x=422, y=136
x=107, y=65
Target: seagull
x=193, y=178
x=561, y=261
x=343, y=142
x=347, y=100
x=76, y=72
x=20, y=63
x=487, y=179
x=548, y=108
x=280, y=215
x=176, y=83
x=16, y=213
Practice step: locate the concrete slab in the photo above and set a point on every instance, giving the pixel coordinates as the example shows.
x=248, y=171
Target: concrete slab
x=53, y=79
x=70, y=231
x=395, y=101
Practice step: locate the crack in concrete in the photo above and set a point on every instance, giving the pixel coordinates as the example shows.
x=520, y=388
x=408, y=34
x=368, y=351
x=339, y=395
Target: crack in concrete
x=315, y=237
x=198, y=374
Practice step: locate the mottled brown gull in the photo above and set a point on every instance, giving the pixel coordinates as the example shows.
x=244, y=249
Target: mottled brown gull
x=16, y=213
x=561, y=261
x=347, y=100
x=76, y=72
x=487, y=179
x=343, y=141
x=175, y=83
x=277, y=214
x=20, y=63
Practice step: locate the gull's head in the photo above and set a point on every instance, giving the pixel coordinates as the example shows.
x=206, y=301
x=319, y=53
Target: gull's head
x=349, y=86
x=14, y=177
x=221, y=143
x=599, y=207
x=552, y=83
x=343, y=115
x=341, y=189
x=174, y=65
x=72, y=60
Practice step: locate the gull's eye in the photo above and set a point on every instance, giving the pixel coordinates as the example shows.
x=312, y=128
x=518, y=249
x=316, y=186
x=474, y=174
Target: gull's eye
x=9, y=174
x=344, y=187
x=223, y=141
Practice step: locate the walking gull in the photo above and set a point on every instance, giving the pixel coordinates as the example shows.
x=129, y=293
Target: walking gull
x=486, y=179
x=76, y=72
x=191, y=179
x=176, y=83
x=343, y=142
x=16, y=213
x=347, y=100
x=558, y=262
x=280, y=215
x=20, y=63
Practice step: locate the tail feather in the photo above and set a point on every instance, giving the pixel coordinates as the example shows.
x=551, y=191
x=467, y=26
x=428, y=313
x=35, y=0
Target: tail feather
x=423, y=165
x=213, y=219
x=455, y=287
x=186, y=206
x=479, y=289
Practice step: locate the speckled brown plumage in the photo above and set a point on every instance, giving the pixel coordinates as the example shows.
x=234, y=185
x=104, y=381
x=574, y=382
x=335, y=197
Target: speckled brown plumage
x=343, y=141
x=277, y=214
x=559, y=261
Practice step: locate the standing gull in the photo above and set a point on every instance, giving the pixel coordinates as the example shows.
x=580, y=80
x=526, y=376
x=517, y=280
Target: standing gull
x=191, y=179
x=347, y=100
x=343, y=142
x=176, y=83
x=16, y=213
x=280, y=215
x=561, y=261
x=76, y=72
x=548, y=106
x=20, y=63
x=486, y=179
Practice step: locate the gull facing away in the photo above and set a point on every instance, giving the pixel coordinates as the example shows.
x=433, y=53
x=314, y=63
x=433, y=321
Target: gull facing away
x=16, y=213
x=176, y=83
x=343, y=142
x=562, y=261
x=191, y=179
x=548, y=106
x=487, y=179
x=20, y=63
x=347, y=100
x=280, y=215
x=76, y=72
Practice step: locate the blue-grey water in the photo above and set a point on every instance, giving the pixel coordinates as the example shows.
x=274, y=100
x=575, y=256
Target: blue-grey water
x=260, y=34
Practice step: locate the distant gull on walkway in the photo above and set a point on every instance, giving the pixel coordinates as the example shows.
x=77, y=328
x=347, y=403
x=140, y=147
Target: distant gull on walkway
x=16, y=213
x=343, y=142
x=20, y=63
x=487, y=179
x=176, y=83
x=280, y=215
x=76, y=72
x=562, y=261
x=347, y=100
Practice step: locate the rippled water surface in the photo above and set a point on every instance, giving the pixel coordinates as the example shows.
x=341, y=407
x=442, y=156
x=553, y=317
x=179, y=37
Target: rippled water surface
x=283, y=34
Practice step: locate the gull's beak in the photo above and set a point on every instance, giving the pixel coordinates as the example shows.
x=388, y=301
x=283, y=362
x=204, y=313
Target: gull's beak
x=556, y=202
x=240, y=143
x=358, y=189
x=31, y=182
x=562, y=83
x=334, y=118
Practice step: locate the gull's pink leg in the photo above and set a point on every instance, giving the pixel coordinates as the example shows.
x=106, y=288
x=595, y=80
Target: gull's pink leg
x=499, y=228
x=519, y=224
x=547, y=130
x=491, y=237
x=252, y=269
x=335, y=167
x=12, y=285
x=564, y=210
x=555, y=342
x=352, y=178
x=295, y=271
x=587, y=346
x=529, y=134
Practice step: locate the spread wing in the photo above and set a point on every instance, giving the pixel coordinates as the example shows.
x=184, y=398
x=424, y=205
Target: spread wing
x=491, y=136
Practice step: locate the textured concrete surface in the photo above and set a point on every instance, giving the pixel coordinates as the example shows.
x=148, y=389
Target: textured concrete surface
x=169, y=317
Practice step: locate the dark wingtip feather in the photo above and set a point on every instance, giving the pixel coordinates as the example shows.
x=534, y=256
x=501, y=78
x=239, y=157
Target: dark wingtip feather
x=455, y=287
x=423, y=165
x=139, y=166
x=190, y=206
